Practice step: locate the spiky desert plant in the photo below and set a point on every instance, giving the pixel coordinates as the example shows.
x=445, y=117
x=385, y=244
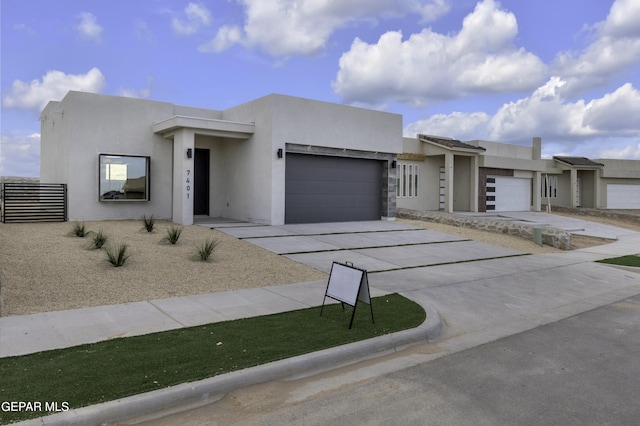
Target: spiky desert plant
x=149, y=223
x=98, y=239
x=79, y=229
x=117, y=256
x=208, y=247
x=173, y=235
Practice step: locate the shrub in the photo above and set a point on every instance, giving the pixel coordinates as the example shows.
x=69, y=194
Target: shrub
x=173, y=234
x=205, y=250
x=79, y=229
x=98, y=239
x=117, y=256
x=149, y=223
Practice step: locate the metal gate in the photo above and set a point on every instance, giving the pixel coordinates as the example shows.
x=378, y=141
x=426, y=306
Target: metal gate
x=30, y=202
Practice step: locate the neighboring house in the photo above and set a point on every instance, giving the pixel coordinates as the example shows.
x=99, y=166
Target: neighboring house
x=274, y=160
x=280, y=159
x=436, y=173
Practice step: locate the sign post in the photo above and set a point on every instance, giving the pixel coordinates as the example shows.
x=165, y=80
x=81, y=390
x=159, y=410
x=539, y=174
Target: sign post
x=348, y=284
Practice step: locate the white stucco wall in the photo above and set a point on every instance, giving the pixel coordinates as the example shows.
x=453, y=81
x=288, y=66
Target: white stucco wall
x=247, y=180
x=258, y=180
x=91, y=124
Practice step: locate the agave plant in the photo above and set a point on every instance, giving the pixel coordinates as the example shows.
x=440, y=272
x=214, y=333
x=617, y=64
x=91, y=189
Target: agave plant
x=173, y=235
x=79, y=229
x=117, y=256
x=208, y=247
x=98, y=239
x=149, y=223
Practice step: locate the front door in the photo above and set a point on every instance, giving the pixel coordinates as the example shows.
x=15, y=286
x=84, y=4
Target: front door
x=201, y=182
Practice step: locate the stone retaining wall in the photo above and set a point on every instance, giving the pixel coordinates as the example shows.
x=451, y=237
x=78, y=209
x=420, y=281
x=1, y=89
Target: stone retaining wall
x=555, y=237
x=632, y=216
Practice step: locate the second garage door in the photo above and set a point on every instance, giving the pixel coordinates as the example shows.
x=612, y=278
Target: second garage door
x=508, y=194
x=332, y=189
x=623, y=196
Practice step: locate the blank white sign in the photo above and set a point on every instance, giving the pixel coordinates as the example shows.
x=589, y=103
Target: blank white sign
x=344, y=284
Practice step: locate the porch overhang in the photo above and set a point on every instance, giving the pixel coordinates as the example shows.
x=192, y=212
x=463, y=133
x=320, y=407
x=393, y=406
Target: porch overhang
x=204, y=126
x=440, y=145
x=577, y=163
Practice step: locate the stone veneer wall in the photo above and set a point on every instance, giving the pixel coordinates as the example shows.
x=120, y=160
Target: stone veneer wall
x=632, y=216
x=555, y=237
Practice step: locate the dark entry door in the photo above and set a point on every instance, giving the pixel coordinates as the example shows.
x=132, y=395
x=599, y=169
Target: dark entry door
x=201, y=182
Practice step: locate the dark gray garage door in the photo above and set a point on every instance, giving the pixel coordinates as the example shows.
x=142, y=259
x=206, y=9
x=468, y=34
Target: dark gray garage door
x=332, y=189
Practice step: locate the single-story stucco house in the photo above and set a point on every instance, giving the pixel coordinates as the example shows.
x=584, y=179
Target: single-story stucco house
x=281, y=159
x=482, y=176
x=275, y=160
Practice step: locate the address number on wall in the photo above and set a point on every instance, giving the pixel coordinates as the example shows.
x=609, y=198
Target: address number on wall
x=187, y=182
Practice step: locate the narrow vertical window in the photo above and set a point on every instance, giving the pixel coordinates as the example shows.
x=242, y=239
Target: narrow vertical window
x=407, y=181
x=404, y=180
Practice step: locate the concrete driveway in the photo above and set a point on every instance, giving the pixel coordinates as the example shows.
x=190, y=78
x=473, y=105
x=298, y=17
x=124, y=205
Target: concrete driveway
x=377, y=246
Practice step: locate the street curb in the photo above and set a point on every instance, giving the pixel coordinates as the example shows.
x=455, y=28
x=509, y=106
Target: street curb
x=211, y=389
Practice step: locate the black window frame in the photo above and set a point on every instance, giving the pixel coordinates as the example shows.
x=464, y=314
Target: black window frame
x=121, y=193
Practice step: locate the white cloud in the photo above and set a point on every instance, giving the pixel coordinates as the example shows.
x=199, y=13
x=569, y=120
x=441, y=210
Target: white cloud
x=461, y=125
x=615, y=113
x=622, y=20
x=136, y=93
x=547, y=113
x=20, y=155
x=622, y=151
x=53, y=87
x=605, y=127
x=89, y=28
x=429, y=67
x=303, y=27
x=227, y=36
x=616, y=47
x=544, y=111
x=197, y=15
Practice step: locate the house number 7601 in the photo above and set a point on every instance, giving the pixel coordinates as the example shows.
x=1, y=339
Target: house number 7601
x=188, y=182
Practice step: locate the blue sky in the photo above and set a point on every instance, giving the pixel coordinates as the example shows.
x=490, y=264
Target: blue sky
x=568, y=71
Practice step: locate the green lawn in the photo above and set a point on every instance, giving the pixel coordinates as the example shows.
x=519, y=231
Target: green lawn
x=630, y=260
x=93, y=373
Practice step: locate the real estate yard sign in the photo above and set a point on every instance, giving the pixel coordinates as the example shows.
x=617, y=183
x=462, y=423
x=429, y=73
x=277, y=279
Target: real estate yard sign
x=348, y=284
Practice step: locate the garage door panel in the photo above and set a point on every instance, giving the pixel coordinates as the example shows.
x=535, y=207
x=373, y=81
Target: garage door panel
x=623, y=196
x=512, y=194
x=331, y=189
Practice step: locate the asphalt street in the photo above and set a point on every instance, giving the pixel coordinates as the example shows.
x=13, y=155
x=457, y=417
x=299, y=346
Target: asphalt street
x=583, y=370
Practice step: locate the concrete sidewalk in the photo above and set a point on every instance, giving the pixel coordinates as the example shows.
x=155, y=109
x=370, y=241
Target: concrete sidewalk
x=492, y=293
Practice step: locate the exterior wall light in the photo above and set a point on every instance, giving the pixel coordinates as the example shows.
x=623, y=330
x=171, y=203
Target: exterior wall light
x=189, y=153
x=279, y=153
x=393, y=164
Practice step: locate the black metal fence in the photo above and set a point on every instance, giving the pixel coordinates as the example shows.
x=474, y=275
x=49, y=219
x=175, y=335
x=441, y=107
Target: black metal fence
x=32, y=202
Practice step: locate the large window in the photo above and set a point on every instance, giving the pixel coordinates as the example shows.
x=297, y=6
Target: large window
x=407, y=180
x=124, y=178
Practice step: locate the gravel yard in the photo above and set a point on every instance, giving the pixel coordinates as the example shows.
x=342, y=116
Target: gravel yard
x=43, y=268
